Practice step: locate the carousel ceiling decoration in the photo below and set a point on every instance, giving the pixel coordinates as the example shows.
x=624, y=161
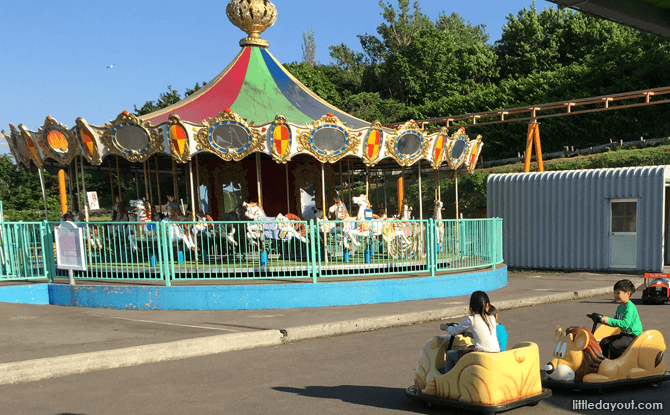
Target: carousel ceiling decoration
x=254, y=105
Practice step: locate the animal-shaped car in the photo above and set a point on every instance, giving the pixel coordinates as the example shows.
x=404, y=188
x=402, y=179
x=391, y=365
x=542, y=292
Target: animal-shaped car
x=489, y=382
x=578, y=361
x=656, y=288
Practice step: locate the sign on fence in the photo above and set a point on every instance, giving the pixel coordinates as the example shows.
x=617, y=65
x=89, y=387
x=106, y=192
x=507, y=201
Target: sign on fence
x=93, y=200
x=69, y=247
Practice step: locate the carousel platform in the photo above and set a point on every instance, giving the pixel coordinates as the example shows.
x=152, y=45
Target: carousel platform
x=254, y=294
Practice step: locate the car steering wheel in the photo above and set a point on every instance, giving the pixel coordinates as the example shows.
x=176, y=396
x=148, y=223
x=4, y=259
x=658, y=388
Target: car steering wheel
x=596, y=319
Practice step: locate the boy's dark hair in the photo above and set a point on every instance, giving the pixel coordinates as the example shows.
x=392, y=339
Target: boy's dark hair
x=625, y=286
x=493, y=311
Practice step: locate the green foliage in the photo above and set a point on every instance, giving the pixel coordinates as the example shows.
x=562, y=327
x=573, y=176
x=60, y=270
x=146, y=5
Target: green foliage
x=165, y=99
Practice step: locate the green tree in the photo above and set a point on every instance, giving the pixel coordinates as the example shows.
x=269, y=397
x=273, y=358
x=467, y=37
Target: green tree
x=309, y=48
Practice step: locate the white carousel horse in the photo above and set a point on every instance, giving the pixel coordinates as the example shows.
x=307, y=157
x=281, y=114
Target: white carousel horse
x=280, y=227
x=179, y=232
x=146, y=230
x=437, y=216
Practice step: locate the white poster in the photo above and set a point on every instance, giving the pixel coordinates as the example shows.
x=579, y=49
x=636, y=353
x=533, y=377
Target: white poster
x=93, y=200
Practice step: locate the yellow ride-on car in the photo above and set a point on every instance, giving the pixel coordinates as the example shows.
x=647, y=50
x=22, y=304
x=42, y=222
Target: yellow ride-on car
x=578, y=362
x=485, y=382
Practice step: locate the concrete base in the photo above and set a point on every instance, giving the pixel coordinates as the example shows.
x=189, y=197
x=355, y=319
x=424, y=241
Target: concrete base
x=272, y=296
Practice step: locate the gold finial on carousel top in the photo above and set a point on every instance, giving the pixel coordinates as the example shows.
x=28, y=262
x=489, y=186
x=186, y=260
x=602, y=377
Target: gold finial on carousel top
x=253, y=17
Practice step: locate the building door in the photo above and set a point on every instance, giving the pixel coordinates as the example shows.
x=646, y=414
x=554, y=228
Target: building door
x=623, y=233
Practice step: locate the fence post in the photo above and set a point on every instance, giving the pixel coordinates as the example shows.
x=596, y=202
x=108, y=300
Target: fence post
x=312, y=251
x=432, y=246
x=165, y=241
x=47, y=251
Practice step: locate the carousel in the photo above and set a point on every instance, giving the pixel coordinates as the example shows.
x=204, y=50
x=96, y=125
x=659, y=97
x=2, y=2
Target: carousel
x=256, y=123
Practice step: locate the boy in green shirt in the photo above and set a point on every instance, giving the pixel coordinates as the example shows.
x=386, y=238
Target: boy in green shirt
x=626, y=318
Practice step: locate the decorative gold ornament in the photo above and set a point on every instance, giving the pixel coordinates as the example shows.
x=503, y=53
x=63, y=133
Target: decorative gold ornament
x=89, y=141
x=458, y=149
x=137, y=143
x=15, y=146
x=30, y=146
x=329, y=140
x=440, y=146
x=253, y=17
x=57, y=141
x=473, y=153
x=373, y=144
x=402, y=138
x=178, y=138
x=234, y=142
x=280, y=139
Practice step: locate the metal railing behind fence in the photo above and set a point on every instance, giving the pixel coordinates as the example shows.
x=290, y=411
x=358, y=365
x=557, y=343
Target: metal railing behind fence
x=186, y=251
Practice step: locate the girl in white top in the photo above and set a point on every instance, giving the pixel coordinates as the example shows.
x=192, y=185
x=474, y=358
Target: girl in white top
x=482, y=326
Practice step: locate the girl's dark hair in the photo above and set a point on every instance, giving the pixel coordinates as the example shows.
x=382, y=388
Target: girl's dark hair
x=478, y=301
x=493, y=311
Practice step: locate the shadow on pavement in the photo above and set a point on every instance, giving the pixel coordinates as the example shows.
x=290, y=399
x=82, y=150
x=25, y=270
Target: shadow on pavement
x=376, y=396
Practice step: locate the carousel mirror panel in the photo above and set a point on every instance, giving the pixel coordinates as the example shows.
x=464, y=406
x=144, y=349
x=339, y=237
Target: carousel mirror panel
x=131, y=137
x=227, y=136
x=408, y=144
x=329, y=139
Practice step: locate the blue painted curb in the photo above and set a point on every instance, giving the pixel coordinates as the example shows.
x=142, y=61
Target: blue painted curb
x=273, y=296
x=25, y=294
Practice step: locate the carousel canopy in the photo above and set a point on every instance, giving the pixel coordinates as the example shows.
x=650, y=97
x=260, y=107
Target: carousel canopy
x=252, y=106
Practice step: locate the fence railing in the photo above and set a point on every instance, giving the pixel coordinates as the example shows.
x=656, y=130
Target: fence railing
x=181, y=251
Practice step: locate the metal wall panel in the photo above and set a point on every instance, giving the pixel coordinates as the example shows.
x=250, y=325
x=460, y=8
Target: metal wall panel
x=561, y=219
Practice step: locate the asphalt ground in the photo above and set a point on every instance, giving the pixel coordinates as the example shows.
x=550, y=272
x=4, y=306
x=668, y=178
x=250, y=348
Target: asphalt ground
x=43, y=341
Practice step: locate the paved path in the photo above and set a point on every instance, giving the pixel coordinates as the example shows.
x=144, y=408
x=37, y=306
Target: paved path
x=39, y=342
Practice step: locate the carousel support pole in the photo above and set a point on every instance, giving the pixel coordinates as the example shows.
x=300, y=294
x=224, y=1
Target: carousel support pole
x=190, y=175
x=436, y=178
x=137, y=186
x=118, y=177
x=197, y=183
x=420, y=194
x=175, y=186
x=385, y=201
x=456, y=183
x=76, y=180
x=401, y=190
x=323, y=206
x=83, y=186
x=69, y=185
x=377, y=187
x=367, y=181
x=158, y=185
x=288, y=198
x=259, y=180
x=44, y=195
x=63, y=191
x=151, y=192
x=341, y=179
x=111, y=180
x=351, y=185
x=146, y=185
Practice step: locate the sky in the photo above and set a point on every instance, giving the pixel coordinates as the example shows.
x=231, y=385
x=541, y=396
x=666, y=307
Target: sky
x=54, y=55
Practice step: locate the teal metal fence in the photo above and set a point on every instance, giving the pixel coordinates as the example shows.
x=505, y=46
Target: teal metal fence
x=168, y=252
